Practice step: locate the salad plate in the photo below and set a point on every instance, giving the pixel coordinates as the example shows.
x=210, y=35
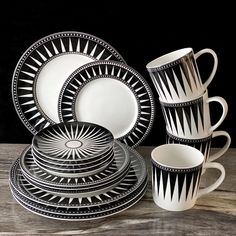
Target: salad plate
x=43, y=68
x=120, y=165
x=110, y=94
x=73, y=141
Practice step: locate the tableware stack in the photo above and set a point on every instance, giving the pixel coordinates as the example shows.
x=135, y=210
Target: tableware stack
x=77, y=171
x=185, y=102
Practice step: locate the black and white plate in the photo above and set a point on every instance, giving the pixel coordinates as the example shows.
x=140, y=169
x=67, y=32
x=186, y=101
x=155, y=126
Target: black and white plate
x=110, y=94
x=77, y=213
x=136, y=177
x=73, y=141
x=120, y=164
x=43, y=68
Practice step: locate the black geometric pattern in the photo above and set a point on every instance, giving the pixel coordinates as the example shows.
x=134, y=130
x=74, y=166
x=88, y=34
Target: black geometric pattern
x=170, y=177
x=203, y=145
x=114, y=71
x=37, y=56
x=184, y=118
x=176, y=81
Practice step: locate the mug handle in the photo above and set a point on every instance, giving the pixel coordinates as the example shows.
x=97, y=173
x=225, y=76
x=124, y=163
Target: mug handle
x=217, y=183
x=224, y=105
x=224, y=148
x=208, y=50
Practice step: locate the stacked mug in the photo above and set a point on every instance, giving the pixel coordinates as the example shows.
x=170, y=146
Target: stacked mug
x=184, y=100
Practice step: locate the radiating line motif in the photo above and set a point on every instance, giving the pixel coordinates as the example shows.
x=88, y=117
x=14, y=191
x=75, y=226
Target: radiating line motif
x=73, y=141
x=37, y=56
x=117, y=71
x=119, y=165
x=181, y=183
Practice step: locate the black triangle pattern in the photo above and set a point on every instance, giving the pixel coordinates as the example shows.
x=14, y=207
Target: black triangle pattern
x=157, y=82
x=181, y=177
x=169, y=113
x=191, y=70
x=196, y=70
x=172, y=178
x=154, y=81
x=176, y=177
x=164, y=180
x=156, y=175
x=165, y=115
x=172, y=80
x=195, y=177
x=188, y=182
x=208, y=148
x=164, y=81
x=200, y=107
x=180, y=116
x=189, y=67
x=185, y=71
x=178, y=74
x=187, y=112
x=195, y=108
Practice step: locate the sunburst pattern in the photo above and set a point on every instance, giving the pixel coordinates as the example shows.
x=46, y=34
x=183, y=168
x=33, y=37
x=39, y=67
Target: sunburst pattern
x=37, y=56
x=73, y=141
x=135, y=178
x=111, y=70
x=120, y=164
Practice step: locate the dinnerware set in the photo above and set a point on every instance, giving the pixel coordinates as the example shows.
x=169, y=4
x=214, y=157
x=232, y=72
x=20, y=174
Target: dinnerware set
x=87, y=110
x=77, y=171
x=185, y=104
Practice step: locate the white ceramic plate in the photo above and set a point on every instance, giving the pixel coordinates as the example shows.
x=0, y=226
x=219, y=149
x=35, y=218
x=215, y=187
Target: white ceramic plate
x=112, y=95
x=43, y=69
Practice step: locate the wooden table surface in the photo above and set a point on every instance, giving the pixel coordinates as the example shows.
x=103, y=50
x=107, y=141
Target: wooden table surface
x=213, y=214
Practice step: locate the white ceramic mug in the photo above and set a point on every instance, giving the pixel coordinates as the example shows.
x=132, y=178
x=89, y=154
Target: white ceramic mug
x=176, y=174
x=176, y=75
x=192, y=119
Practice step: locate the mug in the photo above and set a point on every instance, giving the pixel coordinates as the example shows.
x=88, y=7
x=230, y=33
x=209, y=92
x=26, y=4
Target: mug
x=203, y=144
x=176, y=174
x=192, y=119
x=176, y=75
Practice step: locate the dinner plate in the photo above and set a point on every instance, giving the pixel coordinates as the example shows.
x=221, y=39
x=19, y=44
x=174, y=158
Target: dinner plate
x=43, y=68
x=120, y=164
x=110, y=94
x=80, y=214
x=135, y=178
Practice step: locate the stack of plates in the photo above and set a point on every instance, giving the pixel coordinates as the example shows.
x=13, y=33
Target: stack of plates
x=77, y=171
x=87, y=109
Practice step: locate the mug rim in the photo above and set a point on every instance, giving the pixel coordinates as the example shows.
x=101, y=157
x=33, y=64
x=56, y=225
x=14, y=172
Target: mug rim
x=169, y=58
x=197, y=157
